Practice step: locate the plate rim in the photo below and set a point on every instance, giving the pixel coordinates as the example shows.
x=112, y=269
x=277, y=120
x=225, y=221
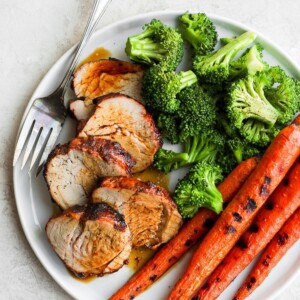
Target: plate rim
x=139, y=17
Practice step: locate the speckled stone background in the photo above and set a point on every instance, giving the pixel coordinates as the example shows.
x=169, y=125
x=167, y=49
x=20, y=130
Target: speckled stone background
x=33, y=35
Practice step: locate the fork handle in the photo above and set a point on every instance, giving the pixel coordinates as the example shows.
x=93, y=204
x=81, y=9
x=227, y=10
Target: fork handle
x=98, y=10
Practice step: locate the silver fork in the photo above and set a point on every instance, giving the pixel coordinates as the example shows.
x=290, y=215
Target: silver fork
x=45, y=118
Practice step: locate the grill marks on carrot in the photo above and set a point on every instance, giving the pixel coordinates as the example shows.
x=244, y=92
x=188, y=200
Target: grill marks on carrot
x=274, y=165
x=250, y=206
x=275, y=250
x=193, y=230
x=283, y=203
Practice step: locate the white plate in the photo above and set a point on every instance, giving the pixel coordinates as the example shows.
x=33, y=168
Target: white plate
x=35, y=207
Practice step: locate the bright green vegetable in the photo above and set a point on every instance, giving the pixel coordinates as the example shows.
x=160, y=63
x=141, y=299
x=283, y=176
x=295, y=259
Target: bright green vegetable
x=199, y=31
x=250, y=63
x=156, y=43
x=198, y=189
x=160, y=87
x=214, y=67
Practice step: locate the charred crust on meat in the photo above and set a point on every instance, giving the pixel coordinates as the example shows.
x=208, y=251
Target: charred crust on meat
x=253, y=228
x=250, y=205
x=209, y=223
x=282, y=239
x=237, y=217
x=153, y=277
x=230, y=229
x=94, y=211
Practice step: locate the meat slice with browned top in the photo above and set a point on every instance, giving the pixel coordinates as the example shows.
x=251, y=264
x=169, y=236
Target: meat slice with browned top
x=122, y=119
x=148, y=209
x=92, y=239
x=98, y=78
x=73, y=170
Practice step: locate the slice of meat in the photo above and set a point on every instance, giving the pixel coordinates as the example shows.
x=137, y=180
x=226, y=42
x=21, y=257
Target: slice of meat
x=123, y=119
x=92, y=239
x=102, y=77
x=149, y=211
x=73, y=169
x=81, y=110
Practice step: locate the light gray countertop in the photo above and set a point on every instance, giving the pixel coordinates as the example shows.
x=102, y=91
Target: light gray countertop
x=33, y=35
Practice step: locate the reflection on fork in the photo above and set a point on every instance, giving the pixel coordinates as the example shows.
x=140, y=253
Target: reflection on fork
x=46, y=116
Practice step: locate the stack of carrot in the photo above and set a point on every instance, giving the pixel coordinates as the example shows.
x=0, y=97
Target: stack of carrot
x=264, y=211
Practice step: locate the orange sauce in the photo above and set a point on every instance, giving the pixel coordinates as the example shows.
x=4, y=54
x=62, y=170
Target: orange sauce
x=155, y=176
x=99, y=53
x=84, y=280
x=138, y=257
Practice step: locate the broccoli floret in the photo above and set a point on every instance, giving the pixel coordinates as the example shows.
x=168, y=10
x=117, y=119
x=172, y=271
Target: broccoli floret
x=283, y=95
x=160, y=87
x=199, y=31
x=250, y=111
x=204, y=147
x=197, y=110
x=235, y=145
x=250, y=63
x=214, y=67
x=156, y=43
x=168, y=125
x=168, y=160
x=198, y=189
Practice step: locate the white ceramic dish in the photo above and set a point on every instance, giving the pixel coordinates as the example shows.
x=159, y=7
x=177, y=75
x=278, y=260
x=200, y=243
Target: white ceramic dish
x=35, y=207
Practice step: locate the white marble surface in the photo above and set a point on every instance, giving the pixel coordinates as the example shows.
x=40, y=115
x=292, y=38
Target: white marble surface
x=33, y=35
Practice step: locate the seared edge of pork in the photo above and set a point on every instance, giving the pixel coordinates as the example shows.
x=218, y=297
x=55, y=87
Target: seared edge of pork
x=148, y=209
x=92, y=239
x=73, y=169
x=123, y=119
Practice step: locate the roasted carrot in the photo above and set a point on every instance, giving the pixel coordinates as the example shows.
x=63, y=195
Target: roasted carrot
x=232, y=223
x=279, y=207
x=188, y=235
x=279, y=245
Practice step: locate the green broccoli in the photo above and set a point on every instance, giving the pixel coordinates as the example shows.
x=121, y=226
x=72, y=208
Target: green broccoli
x=156, y=43
x=214, y=67
x=168, y=124
x=283, y=95
x=235, y=145
x=198, y=189
x=197, y=110
x=203, y=147
x=199, y=31
x=160, y=87
x=250, y=63
x=168, y=160
x=250, y=111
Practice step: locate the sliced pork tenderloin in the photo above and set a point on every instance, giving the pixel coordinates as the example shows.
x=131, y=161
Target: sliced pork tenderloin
x=73, y=170
x=102, y=77
x=92, y=239
x=122, y=119
x=148, y=209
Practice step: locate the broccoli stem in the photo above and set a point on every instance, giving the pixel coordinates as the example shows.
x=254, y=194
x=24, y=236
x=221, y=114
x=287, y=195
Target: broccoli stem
x=227, y=52
x=186, y=79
